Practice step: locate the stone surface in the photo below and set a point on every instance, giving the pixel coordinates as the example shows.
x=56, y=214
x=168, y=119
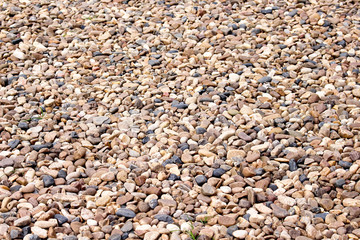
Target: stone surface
x=163, y=119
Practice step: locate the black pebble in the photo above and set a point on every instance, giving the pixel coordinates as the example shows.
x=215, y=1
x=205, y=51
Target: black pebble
x=231, y=229
x=62, y=174
x=23, y=125
x=340, y=183
x=48, y=181
x=345, y=164
x=61, y=219
x=200, y=130
x=173, y=177
x=164, y=218
x=303, y=178
x=273, y=187
x=200, y=179
x=145, y=140
x=218, y=172
x=321, y=215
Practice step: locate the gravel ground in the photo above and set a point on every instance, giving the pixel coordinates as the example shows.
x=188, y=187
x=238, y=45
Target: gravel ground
x=177, y=120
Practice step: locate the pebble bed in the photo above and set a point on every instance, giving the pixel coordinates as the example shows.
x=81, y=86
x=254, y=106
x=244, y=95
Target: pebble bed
x=174, y=120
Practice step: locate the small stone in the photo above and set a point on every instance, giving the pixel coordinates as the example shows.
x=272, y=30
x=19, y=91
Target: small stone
x=100, y=120
x=218, y=172
x=154, y=62
x=265, y=79
x=151, y=235
x=153, y=203
x=13, y=144
x=326, y=203
x=123, y=212
x=241, y=234
x=19, y=54
x=79, y=153
x=286, y=200
x=6, y=162
x=208, y=190
x=200, y=180
x=21, y=222
x=349, y=202
x=42, y=233
x=48, y=181
x=128, y=226
x=226, y=221
x=23, y=125
x=252, y=156
x=61, y=219
x=200, y=130
x=279, y=212
x=340, y=183
x=292, y=165
x=164, y=218
x=180, y=105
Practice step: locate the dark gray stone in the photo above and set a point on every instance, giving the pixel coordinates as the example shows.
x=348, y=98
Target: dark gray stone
x=345, y=164
x=48, y=181
x=265, y=79
x=292, y=165
x=200, y=130
x=218, y=172
x=41, y=146
x=153, y=203
x=13, y=144
x=231, y=229
x=164, y=218
x=124, y=212
x=200, y=180
x=180, y=105
x=321, y=215
x=23, y=125
x=154, y=62
x=340, y=183
x=61, y=219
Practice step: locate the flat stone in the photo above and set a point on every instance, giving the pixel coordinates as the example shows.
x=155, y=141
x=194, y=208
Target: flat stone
x=208, y=190
x=226, y=220
x=22, y=222
x=123, y=212
x=100, y=120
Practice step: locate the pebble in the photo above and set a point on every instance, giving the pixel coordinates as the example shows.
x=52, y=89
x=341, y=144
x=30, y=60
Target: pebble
x=241, y=234
x=125, y=213
x=48, y=181
x=208, y=190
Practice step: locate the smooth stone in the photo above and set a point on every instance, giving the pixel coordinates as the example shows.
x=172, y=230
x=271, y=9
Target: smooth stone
x=41, y=146
x=241, y=234
x=265, y=79
x=164, y=218
x=154, y=62
x=48, y=181
x=200, y=180
x=100, y=120
x=208, y=190
x=218, y=172
x=61, y=219
x=123, y=212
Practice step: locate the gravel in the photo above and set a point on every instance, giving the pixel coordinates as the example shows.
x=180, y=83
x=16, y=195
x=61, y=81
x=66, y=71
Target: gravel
x=154, y=119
